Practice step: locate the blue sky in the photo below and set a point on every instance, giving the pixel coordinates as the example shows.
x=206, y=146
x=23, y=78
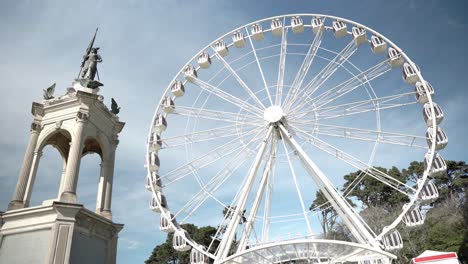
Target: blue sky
x=145, y=43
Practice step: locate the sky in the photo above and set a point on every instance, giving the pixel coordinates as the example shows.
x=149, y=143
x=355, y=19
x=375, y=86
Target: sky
x=145, y=43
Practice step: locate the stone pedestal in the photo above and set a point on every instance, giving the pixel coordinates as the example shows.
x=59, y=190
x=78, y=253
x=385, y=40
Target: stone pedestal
x=57, y=233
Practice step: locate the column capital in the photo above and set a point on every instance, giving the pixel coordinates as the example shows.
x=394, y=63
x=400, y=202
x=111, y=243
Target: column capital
x=82, y=117
x=35, y=127
x=114, y=141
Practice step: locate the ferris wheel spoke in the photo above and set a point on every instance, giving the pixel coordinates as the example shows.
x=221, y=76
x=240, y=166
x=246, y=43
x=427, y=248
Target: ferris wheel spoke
x=215, y=183
x=298, y=191
x=226, y=243
x=360, y=165
x=351, y=84
x=239, y=80
x=269, y=193
x=248, y=225
x=353, y=108
x=217, y=115
x=305, y=66
x=281, y=66
x=324, y=74
x=207, y=159
x=259, y=66
x=228, y=97
x=349, y=217
x=200, y=136
x=365, y=135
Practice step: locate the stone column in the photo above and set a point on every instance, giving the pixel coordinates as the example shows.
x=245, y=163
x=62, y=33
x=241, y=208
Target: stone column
x=32, y=177
x=108, y=179
x=74, y=158
x=17, y=201
x=101, y=188
x=62, y=179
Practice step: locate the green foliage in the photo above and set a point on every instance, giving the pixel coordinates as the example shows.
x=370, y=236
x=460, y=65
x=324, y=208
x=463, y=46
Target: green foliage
x=328, y=217
x=445, y=227
x=446, y=224
x=372, y=192
x=166, y=254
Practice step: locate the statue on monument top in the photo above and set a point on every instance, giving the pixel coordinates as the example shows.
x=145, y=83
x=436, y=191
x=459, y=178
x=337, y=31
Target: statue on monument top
x=89, y=64
x=90, y=69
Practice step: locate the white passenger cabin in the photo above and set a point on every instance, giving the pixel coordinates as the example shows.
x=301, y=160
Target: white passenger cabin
x=340, y=28
x=429, y=192
x=221, y=48
x=155, y=142
x=441, y=139
x=394, y=57
x=317, y=25
x=177, y=89
x=297, y=25
x=438, y=166
x=238, y=39
x=393, y=241
x=197, y=257
x=160, y=123
x=153, y=161
x=427, y=113
x=410, y=74
x=158, y=203
x=413, y=217
x=165, y=223
x=359, y=35
x=190, y=73
x=276, y=27
x=378, y=45
x=153, y=179
x=257, y=32
x=179, y=241
x=204, y=60
x=421, y=95
x=168, y=105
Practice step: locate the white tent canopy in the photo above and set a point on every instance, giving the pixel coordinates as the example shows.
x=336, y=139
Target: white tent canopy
x=436, y=257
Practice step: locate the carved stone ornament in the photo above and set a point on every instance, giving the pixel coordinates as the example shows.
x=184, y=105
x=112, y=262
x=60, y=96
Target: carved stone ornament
x=58, y=124
x=115, y=140
x=82, y=116
x=36, y=127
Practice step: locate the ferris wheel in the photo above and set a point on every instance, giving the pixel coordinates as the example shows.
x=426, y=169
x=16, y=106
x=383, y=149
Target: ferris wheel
x=271, y=114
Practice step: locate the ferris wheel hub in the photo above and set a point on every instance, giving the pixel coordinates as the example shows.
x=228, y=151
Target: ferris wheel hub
x=273, y=114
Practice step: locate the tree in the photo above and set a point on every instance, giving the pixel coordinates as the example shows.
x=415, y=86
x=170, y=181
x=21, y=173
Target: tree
x=463, y=250
x=229, y=210
x=451, y=184
x=372, y=192
x=166, y=254
x=446, y=224
x=327, y=215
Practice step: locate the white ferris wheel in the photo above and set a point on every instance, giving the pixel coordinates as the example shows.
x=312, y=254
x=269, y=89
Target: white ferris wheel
x=267, y=115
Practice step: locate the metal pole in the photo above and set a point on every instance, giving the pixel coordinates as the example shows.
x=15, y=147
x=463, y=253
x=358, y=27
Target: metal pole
x=228, y=236
x=258, y=198
x=342, y=207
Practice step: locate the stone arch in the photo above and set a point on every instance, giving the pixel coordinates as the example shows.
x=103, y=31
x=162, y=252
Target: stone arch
x=92, y=145
x=57, y=138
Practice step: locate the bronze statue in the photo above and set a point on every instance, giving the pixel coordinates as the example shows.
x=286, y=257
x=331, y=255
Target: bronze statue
x=89, y=66
x=115, y=109
x=90, y=69
x=49, y=92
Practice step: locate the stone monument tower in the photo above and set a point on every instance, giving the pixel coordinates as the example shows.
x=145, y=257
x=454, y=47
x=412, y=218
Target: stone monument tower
x=61, y=230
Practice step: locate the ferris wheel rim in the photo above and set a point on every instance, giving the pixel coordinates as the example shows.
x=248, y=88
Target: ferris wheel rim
x=432, y=149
